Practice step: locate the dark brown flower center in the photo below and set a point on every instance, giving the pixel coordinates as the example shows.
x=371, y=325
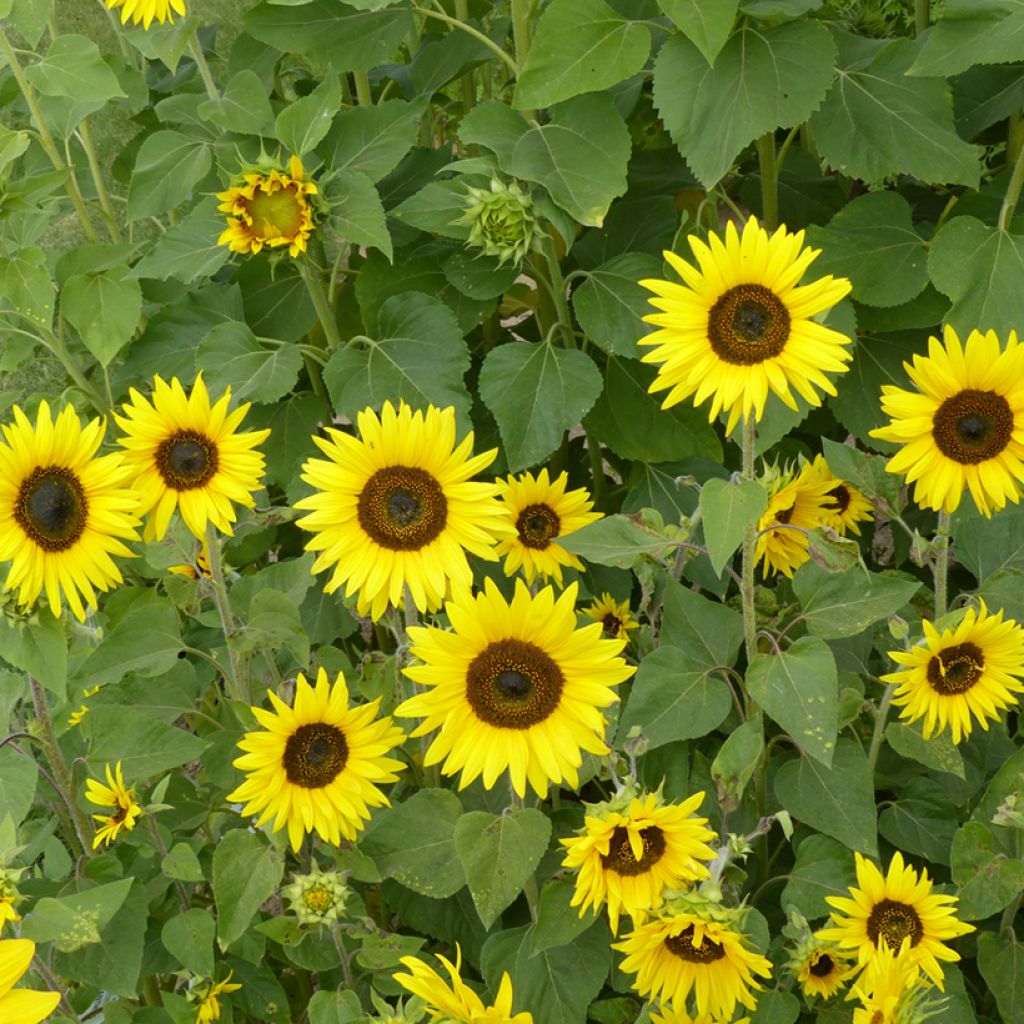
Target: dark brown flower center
x=187, y=460
x=315, y=755
x=513, y=684
x=537, y=524
x=620, y=857
x=784, y=515
x=956, y=669
x=973, y=426
x=612, y=624
x=682, y=946
x=841, y=498
x=402, y=508
x=748, y=324
x=895, y=922
x=821, y=965
x=51, y=508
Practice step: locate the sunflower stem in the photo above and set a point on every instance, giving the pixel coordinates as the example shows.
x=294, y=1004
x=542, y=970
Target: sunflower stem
x=467, y=82
x=324, y=313
x=477, y=35
x=223, y=605
x=556, y=288
x=749, y=546
x=85, y=139
x=196, y=49
x=364, y=94
x=768, y=164
x=940, y=569
x=162, y=847
x=1009, y=914
x=879, y=731
x=522, y=23
x=921, y=16
x=1012, y=193
x=596, y=468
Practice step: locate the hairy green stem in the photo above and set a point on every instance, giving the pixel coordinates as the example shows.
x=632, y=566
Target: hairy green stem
x=769, y=167
x=940, y=570
x=467, y=82
x=311, y=279
x=1012, y=193
x=223, y=605
x=522, y=28
x=596, y=468
x=878, y=734
x=556, y=287
x=749, y=546
x=85, y=138
x=921, y=16
x=196, y=49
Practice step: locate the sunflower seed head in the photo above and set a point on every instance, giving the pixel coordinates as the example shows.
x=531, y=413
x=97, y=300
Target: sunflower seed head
x=500, y=219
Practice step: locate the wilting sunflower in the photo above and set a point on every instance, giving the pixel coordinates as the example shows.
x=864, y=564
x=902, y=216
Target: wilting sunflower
x=964, y=427
x=821, y=968
x=146, y=10
x=317, y=765
x=615, y=617
x=63, y=512
x=189, y=455
x=632, y=848
x=741, y=325
x=268, y=210
x=689, y=950
x=890, y=989
x=960, y=672
x=21, y=1005
x=397, y=507
x=515, y=687
x=116, y=796
x=209, y=1001
x=895, y=907
x=799, y=499
x=846, y=507
x=540, y=511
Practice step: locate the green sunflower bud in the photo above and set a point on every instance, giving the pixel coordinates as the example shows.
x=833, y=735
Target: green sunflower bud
x=317, y=898
x=500, y=219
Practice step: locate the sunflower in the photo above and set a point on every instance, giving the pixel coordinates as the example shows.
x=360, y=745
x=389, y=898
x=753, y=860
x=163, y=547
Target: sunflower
x=398, y=508
x=895, y=907
x=889, y=989
x=268, y=209
x=846, y=507
x=318, y=897
x=200, y=569
x=75, y=718
x=21, y=1005
x=9, y=895
x=687, y=949
x=965, y=424
x=540, y=511
x=317, y=765
x=960, y=672
x=632, y=848
x=187, y=454
x=146, y=10
x=63, y=512
x=113, y=795
x=741, y=325
x=666, y=1015
x=821, y=968
x=616, y=618
x=796, y=499
x=209, y=1003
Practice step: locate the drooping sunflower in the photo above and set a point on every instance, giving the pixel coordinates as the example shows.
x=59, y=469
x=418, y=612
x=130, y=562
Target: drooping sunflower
x=540, y=511
x=632, y=848
x=189, y=455
x=615, y=616
x=741, y=325
x=209, y=1002
x=117, y=796
x=960, y=672
x=685, y=950
x=795, y=499
x=821, y=968
x=846, y=507
x=316, y=766
x=397, y=507
x=270, y=210
x=890, y=989
x=146, y=10
x=894, y=907
x=964, y=426
x=63, y=512
x=21, y=1005
x=515, y=687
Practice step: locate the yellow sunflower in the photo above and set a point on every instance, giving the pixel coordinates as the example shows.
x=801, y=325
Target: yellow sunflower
x=540, y=511
x=895, y=907
x=317, y=765
x=960, y=672
x=209, y=1003
x=846, y=507
x=821, y=968
x=666, y=1015
x=268, y=210
x=689, y=951
x=75, y=718
x=186, y=454
x=146, y=10
x=799, y=499
x=741, y=325
x=397, y=508
x=964, y=427
x=889, y=989
x=63, y=512
x=21, y=1005
x=632, y=848
x=615, y=617
x=9, y=895
x=515, y=687
x=116, y=796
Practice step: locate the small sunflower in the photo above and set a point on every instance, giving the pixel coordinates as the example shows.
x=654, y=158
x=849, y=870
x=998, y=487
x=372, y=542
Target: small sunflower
x=960, y=672
x=890, y=989
x=632, y=848
x=515, y=687
x=741, y=325
x=541, y=511
x=894, y=907
x=796, y=499
x=821, y=968
x=146, y=10
x=688, y=950
x=189, y=455
x=209, y=1002
x=21, y=1005
x=615, y=617
x=114, y=795
x=63, y=512
x=317, y=765
x=268, y=210
x=964, y=427
x=397, y=507
x=318, y=897
x=846, y=507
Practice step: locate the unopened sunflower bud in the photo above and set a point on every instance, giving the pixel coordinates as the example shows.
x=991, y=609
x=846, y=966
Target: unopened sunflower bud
x=317, y=898
x=500, y=219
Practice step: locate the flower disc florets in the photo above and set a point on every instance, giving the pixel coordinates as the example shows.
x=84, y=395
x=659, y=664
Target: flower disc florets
x=500, y=219
x=317, y=898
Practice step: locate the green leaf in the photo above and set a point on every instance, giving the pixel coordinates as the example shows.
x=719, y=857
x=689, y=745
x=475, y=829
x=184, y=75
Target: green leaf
x=419, y=357
x=727, y=509
x=231, y=356
x=74, y=67
x=939, y=753
x=778, y=8
x=414, y=843
x=839, y=801
x=18, y=777
x=970, y=32
x=12, y=145
x=276, y=300
x=292, y=424
x=559, y=923
x=979, y=268
x=823, y=868
x=1001, y=962
x=674, y=698
x=39, y=650
x=734, y=764
x=845, y=604
x=615, y=540
x=335, y=1007
x=986, y=545
x=76, y=920
x=357, y=214
x=799, y=688
x=610, y=303
x=243, y=106
x=26, y=286
x=189, y=249
x=479, y=276
x=706, y=23
x=989, y=880
x=709, y=632
x=537, y=392
x=763, y=79
x=372, y=140
x=182, y=863
x=302, y=124
x=776, y=1007
x=273, y=623
x=188, y=937
x=104, y=308
x=167, y=167
x=246, y=871
x=383, y=950
x=875, y=121
x=579, y=46
x=922, y=821
x=144, y=745
x=499, y=852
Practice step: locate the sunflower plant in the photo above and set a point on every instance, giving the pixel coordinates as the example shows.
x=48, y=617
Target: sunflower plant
x=510, y=512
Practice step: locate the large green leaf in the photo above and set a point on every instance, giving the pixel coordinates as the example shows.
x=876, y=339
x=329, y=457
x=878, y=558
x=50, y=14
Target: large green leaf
x=1001, y=962
x=104, y=308
x=374, y=139
x=737, y=759
x=922, y=821
x=18, y=777
x=939, y=752
x=302, y=124
x=73, y=66
x=616, y=541
x=243, y=106
x=610, y=303
x=971, y=32
x=231, y=356
x=26, y=287
x=188, y=937
x=823, y=868
x=246, y=871
x=39, y=649
x=989, y=879
x=707, y=631
x=845, y=604
x=986, y=545
x=75, y=920
x=188, y=250
x=727, y=509
x=706, y=23
x=144, y=745
x=167, y=166
x=356, y=211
